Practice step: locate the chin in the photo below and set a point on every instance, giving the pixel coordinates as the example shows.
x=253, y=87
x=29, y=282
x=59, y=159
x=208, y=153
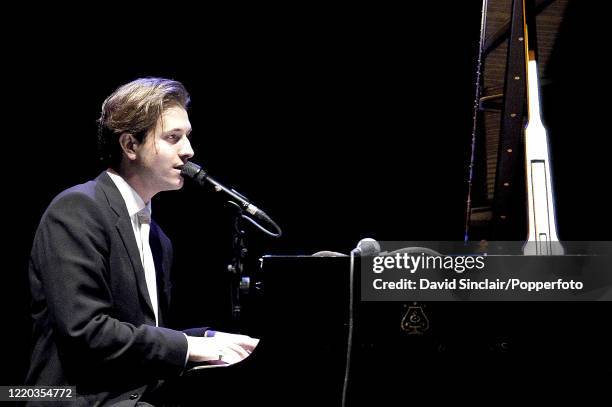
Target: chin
x=174, y=185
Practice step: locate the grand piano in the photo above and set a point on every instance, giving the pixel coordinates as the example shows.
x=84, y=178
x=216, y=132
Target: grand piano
x=463, y=348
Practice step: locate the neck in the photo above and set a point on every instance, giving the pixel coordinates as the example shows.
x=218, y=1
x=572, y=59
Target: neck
x=135, y=180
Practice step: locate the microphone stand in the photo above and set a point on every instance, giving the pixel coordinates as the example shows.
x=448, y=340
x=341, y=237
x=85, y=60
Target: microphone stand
x=238, y=283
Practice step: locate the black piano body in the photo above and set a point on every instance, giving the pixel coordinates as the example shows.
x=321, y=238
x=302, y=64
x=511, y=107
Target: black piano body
x=301, y=317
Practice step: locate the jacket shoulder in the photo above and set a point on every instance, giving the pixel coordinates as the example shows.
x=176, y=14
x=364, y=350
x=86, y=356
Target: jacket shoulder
x=79, y=205
x=79, y=197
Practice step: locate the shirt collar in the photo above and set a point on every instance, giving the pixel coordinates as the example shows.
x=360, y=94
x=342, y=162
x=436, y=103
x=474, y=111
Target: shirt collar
x=133, y=201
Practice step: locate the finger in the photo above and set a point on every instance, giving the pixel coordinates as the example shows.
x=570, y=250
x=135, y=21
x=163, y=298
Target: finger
x=230, y=356
x=243, y=353
x=247, y=343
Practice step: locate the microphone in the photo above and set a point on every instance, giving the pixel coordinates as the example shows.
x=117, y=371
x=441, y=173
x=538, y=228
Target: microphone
x=328, y=253
x=195, y=172
x=200, y=176
x=412, y=250
x=366, y=247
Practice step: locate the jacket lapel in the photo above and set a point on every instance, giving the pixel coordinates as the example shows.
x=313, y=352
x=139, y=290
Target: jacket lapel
x=126, y=232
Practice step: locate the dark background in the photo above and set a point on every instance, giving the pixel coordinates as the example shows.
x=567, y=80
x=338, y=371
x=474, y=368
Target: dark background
x=340, y=124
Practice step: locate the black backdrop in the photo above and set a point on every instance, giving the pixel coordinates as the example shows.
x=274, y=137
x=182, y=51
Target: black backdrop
x=340, y=125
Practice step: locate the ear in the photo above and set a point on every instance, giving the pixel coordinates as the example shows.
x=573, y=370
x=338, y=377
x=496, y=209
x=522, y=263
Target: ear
x=129, y=145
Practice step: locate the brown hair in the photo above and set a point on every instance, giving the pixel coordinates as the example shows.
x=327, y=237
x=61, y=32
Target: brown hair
x=135, y=108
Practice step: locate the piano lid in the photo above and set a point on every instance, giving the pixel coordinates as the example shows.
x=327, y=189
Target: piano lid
x=496, y=205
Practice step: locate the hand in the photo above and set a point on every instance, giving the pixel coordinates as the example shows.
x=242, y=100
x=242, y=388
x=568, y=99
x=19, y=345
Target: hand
x=245, y=342
x=222, y=348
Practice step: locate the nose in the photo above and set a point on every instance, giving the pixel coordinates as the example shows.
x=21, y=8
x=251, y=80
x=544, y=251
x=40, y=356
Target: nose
x=186, y=152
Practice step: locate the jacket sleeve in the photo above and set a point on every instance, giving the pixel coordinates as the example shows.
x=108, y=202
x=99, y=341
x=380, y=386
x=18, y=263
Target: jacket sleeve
x=70, y=258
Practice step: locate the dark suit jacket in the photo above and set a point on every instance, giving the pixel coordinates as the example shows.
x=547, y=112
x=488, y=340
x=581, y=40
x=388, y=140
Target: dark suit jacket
x=94, y=326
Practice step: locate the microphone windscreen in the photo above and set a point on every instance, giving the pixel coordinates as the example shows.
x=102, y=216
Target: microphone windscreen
x=413, y=250
x=327, y=253
x=190, y=169
x=368, y=247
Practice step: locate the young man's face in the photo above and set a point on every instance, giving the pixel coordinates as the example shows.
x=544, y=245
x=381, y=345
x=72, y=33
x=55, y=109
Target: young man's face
x=165, y=150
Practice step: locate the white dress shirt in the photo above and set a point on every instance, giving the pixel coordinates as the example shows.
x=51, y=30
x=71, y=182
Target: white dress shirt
x=140, y=215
